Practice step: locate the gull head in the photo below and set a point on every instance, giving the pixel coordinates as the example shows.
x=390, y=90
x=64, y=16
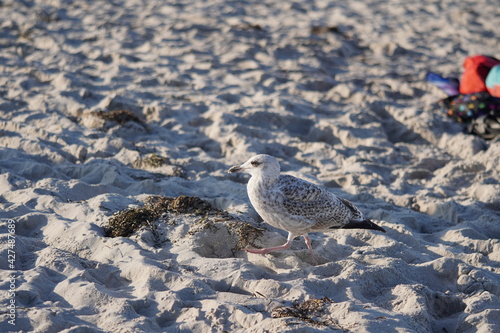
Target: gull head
x=259, y=165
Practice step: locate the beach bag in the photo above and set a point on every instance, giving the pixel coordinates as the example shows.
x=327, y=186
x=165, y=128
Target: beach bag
x=476, y=69
x=465, y=107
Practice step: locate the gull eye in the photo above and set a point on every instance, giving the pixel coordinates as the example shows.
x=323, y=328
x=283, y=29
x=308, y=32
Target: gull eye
x=255, y=163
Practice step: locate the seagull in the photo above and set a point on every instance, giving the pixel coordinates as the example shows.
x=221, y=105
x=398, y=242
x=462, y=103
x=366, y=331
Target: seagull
x=296, y=205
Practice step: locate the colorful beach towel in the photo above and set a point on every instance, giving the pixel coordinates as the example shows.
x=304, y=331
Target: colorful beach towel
x=465, y=107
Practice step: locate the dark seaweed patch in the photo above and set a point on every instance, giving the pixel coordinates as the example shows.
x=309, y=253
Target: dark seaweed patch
x=125, y=222
x=119, y=116
x=311, y=311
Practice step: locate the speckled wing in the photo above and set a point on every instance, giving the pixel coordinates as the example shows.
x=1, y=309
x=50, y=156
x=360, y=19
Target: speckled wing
x=320, y=208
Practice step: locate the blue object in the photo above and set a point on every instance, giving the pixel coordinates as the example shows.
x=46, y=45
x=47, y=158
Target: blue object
x=493, y=81
x=449, y=85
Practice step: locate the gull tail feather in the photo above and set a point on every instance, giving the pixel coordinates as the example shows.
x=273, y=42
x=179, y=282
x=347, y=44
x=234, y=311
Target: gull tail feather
x=364, y=224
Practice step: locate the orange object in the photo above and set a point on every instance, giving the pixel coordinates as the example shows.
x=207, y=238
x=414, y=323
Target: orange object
x=476, y=68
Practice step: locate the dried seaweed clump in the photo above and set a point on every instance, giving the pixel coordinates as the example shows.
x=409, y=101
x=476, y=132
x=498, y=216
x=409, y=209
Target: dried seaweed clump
x=246, y=233
x=124, y=223
x=214, y=232
x=152, y=161
x=119, y=116
x=155, y=161
x=192, y=205
x=104, y=120
x=311, y=311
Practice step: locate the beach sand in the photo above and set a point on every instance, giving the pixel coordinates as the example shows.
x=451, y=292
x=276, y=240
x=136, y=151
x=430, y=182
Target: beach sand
x=104, y=104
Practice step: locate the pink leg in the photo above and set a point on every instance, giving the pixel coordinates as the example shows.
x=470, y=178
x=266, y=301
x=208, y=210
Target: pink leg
x=311, y=252
x=276, y=248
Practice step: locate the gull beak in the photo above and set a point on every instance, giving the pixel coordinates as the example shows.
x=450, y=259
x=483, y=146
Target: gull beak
x=236, y=168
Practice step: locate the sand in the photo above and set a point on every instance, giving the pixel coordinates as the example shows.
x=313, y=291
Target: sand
x=106, y=103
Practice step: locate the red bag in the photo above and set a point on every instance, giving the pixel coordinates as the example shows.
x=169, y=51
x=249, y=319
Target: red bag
x=476, y=68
